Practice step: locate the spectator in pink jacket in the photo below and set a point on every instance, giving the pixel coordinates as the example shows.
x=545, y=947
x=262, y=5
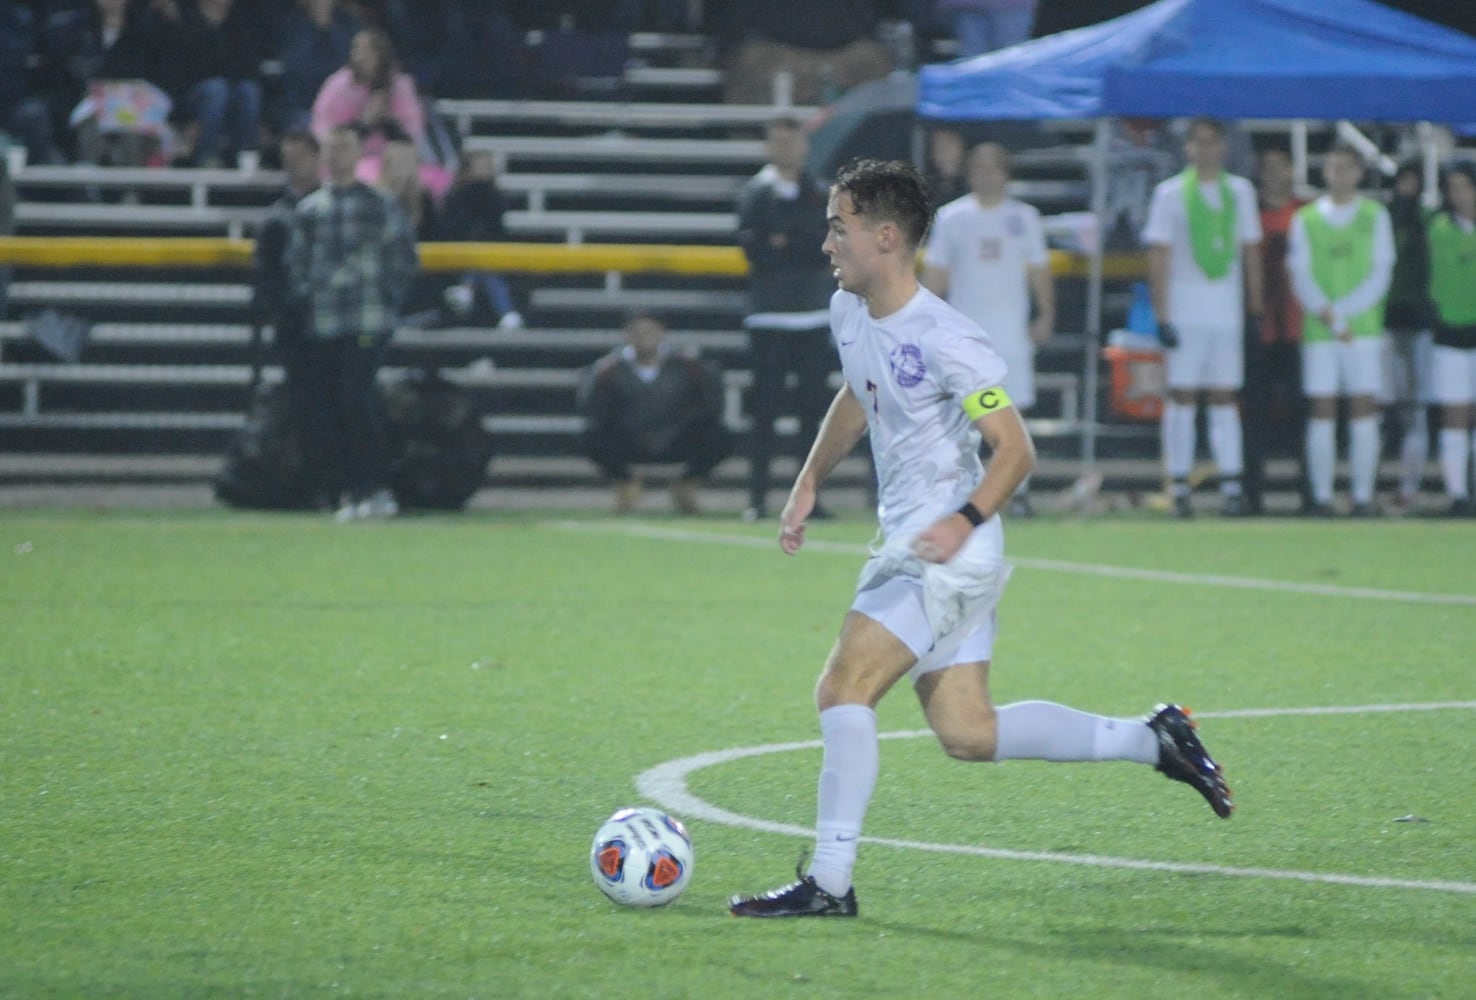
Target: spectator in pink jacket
x=371, y=91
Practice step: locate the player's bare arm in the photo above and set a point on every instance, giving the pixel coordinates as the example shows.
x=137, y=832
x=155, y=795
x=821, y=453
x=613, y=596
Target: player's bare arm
x=1013, y=458
x=842, y=427
x=1255, y=281
x=1158, y=280
x=1043, y=292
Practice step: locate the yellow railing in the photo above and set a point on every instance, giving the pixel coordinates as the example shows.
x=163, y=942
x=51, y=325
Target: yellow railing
x=547, y=258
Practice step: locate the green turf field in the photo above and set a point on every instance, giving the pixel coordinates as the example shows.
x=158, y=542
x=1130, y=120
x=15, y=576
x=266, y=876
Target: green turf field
x=273, y=756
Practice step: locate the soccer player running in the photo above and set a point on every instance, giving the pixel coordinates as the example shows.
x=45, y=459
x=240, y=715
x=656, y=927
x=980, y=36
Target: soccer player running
x=1204, y=266
x=1340, y=255
x=924, y=380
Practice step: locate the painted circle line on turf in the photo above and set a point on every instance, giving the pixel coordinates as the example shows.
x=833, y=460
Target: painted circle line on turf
x=666, y=785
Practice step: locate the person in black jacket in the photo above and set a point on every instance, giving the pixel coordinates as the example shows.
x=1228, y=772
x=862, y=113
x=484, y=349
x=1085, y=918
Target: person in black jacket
x=222, y=45
x=473, y=214
x=274, y=303
x=645, y=402
x=1409, y=316
x=781, y=225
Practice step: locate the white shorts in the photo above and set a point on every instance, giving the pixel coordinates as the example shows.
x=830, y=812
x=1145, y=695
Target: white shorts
x=944, y=614
x=1408, y=361
x=1343, y=368
x=1209, y=356
x=1454, y=380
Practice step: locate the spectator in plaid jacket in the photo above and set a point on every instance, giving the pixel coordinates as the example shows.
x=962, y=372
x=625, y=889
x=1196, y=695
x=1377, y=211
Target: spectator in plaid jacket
x=351, y=258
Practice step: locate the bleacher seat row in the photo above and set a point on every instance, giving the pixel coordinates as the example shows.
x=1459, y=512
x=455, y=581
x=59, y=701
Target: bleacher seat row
x=171, y=356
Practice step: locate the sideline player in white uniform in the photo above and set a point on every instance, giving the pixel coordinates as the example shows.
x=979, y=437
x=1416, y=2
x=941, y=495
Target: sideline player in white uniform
x=987, y=256
x=1340, y=257
x=924, y=380
x=1204, y=267
x=1452, y=239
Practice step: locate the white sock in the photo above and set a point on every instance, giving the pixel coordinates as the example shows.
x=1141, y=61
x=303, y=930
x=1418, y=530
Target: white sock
x=1412, y=453
x=847, y=778
x=1176, y=431
x=1043, y=730
x=1455, y=447
x=1321, y=455
x=1225, y=446
x=1363, y=456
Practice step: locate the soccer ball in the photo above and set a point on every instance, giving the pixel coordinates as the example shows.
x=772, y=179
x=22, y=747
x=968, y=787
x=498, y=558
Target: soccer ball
x=641, y=857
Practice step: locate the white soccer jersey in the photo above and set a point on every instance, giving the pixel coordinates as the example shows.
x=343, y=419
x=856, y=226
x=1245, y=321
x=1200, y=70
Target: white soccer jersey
x=1195, y=299
x=988, y=253
x=910, y=371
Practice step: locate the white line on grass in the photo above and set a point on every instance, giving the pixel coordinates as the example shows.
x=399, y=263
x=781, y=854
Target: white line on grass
x=666, y=784
x=1049, y=565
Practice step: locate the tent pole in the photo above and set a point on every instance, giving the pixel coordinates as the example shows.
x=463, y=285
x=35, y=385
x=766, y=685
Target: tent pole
x=1093, y=338
x=1430, y=155
x=1300, y=166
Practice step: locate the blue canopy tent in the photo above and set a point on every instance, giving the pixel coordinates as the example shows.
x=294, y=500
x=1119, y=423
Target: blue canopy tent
x=1340, y=59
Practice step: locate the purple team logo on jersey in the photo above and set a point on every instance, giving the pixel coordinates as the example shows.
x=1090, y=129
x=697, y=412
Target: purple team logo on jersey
x=907, y=365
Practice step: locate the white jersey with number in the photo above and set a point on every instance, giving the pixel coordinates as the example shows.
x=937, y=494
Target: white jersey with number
x=988, y=254
x=1195, y=299
x=910, y=372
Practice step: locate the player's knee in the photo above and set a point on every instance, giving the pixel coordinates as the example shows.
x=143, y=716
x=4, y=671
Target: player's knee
x=975, y=743
x=833, y=689
x=969, y=749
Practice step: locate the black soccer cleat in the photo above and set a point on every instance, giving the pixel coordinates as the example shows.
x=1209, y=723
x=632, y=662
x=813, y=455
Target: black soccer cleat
x=798, y=899
x=1182, y=757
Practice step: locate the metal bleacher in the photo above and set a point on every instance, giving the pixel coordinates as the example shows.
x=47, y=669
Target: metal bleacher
x=169, y=365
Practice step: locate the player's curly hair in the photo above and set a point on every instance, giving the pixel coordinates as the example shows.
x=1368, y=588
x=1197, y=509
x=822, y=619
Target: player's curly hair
x=889, y=191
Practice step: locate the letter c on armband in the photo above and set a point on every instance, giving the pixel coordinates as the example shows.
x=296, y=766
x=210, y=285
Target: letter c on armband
x=977, y=404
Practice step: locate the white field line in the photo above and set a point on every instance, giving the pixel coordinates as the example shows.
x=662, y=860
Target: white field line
x=666, y=785
x=1049, y=565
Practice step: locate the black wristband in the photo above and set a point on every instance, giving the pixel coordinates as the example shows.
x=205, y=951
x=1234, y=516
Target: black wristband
x=971, y=513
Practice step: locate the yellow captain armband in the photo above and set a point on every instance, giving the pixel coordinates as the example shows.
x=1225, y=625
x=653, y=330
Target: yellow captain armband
x=977, y=404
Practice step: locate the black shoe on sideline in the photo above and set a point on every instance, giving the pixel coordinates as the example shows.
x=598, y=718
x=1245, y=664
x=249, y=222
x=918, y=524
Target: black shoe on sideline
x=798, y=899
x=1182, y=757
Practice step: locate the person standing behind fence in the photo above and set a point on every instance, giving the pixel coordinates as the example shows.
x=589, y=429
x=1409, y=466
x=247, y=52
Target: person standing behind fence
x=1408, y=314
x=1452, y=238
x=351, y=259
x=274, y=301
x=1204, y=267
x=781, y=225
x=1274, y=410
x=1340, y=253
x=987, y=257
x=645, y=402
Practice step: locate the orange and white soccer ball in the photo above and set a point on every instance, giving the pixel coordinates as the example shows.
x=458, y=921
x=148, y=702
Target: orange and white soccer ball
x=641, y=857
